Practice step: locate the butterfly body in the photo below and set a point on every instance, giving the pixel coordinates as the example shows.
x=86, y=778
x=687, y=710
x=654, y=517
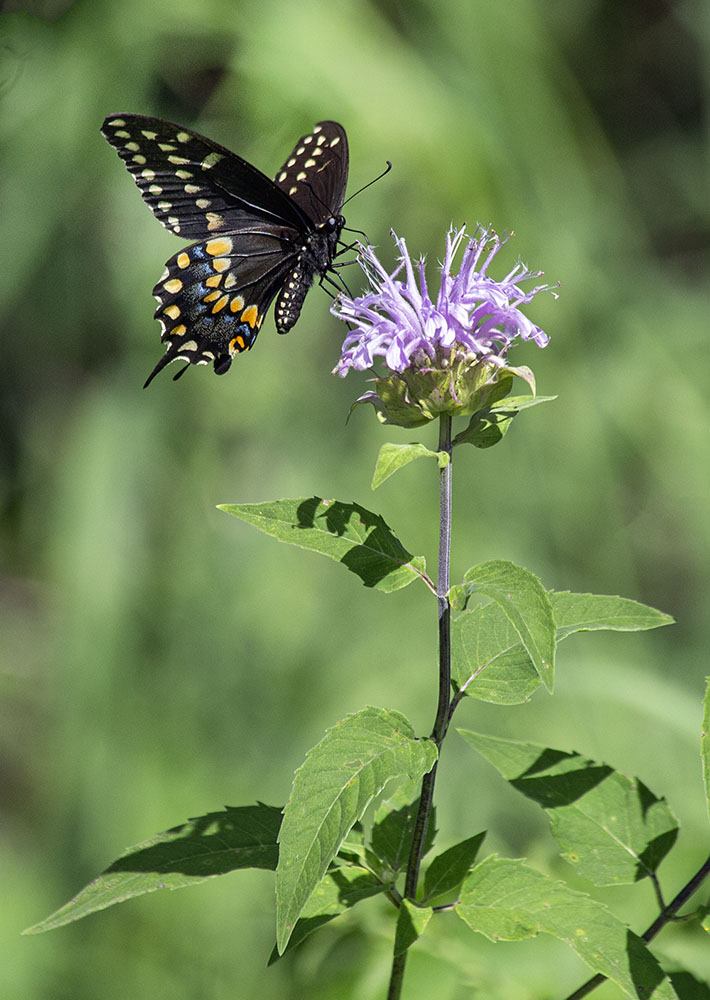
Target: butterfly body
x=256, y=239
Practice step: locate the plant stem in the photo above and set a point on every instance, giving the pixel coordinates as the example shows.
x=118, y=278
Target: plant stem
x=658, y=924
x=441, y=721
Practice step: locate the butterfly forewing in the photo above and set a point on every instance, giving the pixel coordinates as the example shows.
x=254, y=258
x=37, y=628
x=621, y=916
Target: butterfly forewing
x=315, y=175
x=256, y=238
x=192, y=185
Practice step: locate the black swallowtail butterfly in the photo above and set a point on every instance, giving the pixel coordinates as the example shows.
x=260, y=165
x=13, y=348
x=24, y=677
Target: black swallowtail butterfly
x=256, y=238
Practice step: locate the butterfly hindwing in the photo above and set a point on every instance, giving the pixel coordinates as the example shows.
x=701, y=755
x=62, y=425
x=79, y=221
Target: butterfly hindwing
x=214, y=294
x=256, y=238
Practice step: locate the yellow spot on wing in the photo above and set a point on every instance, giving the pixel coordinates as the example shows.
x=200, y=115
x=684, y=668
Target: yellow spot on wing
x=183, y=260
x=220, y=263
x=221, y=304
x=214, y=280
x=217, y=248
x=238, y=343
x=211, y=296
x=173, y=286
x=210, y=160
x=249, y=315
x=172, y=311
x=237, y=304
x=179, y=331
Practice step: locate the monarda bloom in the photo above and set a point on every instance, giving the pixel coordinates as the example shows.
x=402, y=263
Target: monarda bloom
x=443, y=357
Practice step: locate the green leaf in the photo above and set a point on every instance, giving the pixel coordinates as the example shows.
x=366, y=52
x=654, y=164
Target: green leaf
x=346, y=532
x=613, y=830
x=688, y=987
x=490, y=663
x=488, y=659
x=395, y=456
x=392, y=838
x=506, y=900
x=202, y=848
x=392, y=831
x=339, y=778
x=353, y=850
x=487, y=427
x=339, y=890
x=525, y=604
x=592, y=612
x=448, y=870
x=411, y=924
x=705, y=742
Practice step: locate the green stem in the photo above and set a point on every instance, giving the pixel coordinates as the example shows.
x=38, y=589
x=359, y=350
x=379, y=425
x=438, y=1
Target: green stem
x=441, y=721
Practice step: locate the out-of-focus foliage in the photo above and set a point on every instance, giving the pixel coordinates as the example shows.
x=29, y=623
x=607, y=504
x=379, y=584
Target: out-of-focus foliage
x=160, y=660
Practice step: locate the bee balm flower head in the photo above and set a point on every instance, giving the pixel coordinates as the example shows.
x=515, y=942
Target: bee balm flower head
x=443, y=357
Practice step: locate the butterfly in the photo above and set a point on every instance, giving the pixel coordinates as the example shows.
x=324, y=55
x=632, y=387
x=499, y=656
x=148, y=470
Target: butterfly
x=256, y=239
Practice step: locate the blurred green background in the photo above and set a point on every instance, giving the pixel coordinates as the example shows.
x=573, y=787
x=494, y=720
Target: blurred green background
x=159, y=659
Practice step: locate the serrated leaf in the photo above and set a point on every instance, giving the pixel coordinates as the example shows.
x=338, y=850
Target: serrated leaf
x=526, y=605
x=339, y=890
x=488, y=659
x=487, y=427
x=490, y=662
x=411, y=924
x=210, y=845
x=392, y=839
x=705, y=742
x=506, y=900
x=448, y=870
x=392, y=829
x=613, y=830
x=346, y=532
x=395, y=456
x=592, y=612
x=339, y=778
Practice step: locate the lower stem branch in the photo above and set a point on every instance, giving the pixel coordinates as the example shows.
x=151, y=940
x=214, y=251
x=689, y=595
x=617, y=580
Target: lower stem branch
x=441, y=721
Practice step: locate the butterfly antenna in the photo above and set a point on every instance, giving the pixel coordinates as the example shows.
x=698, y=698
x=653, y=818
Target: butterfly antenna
x=369, y=184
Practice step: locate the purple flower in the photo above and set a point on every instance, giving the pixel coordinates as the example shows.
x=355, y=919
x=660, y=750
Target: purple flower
x=475, y=318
